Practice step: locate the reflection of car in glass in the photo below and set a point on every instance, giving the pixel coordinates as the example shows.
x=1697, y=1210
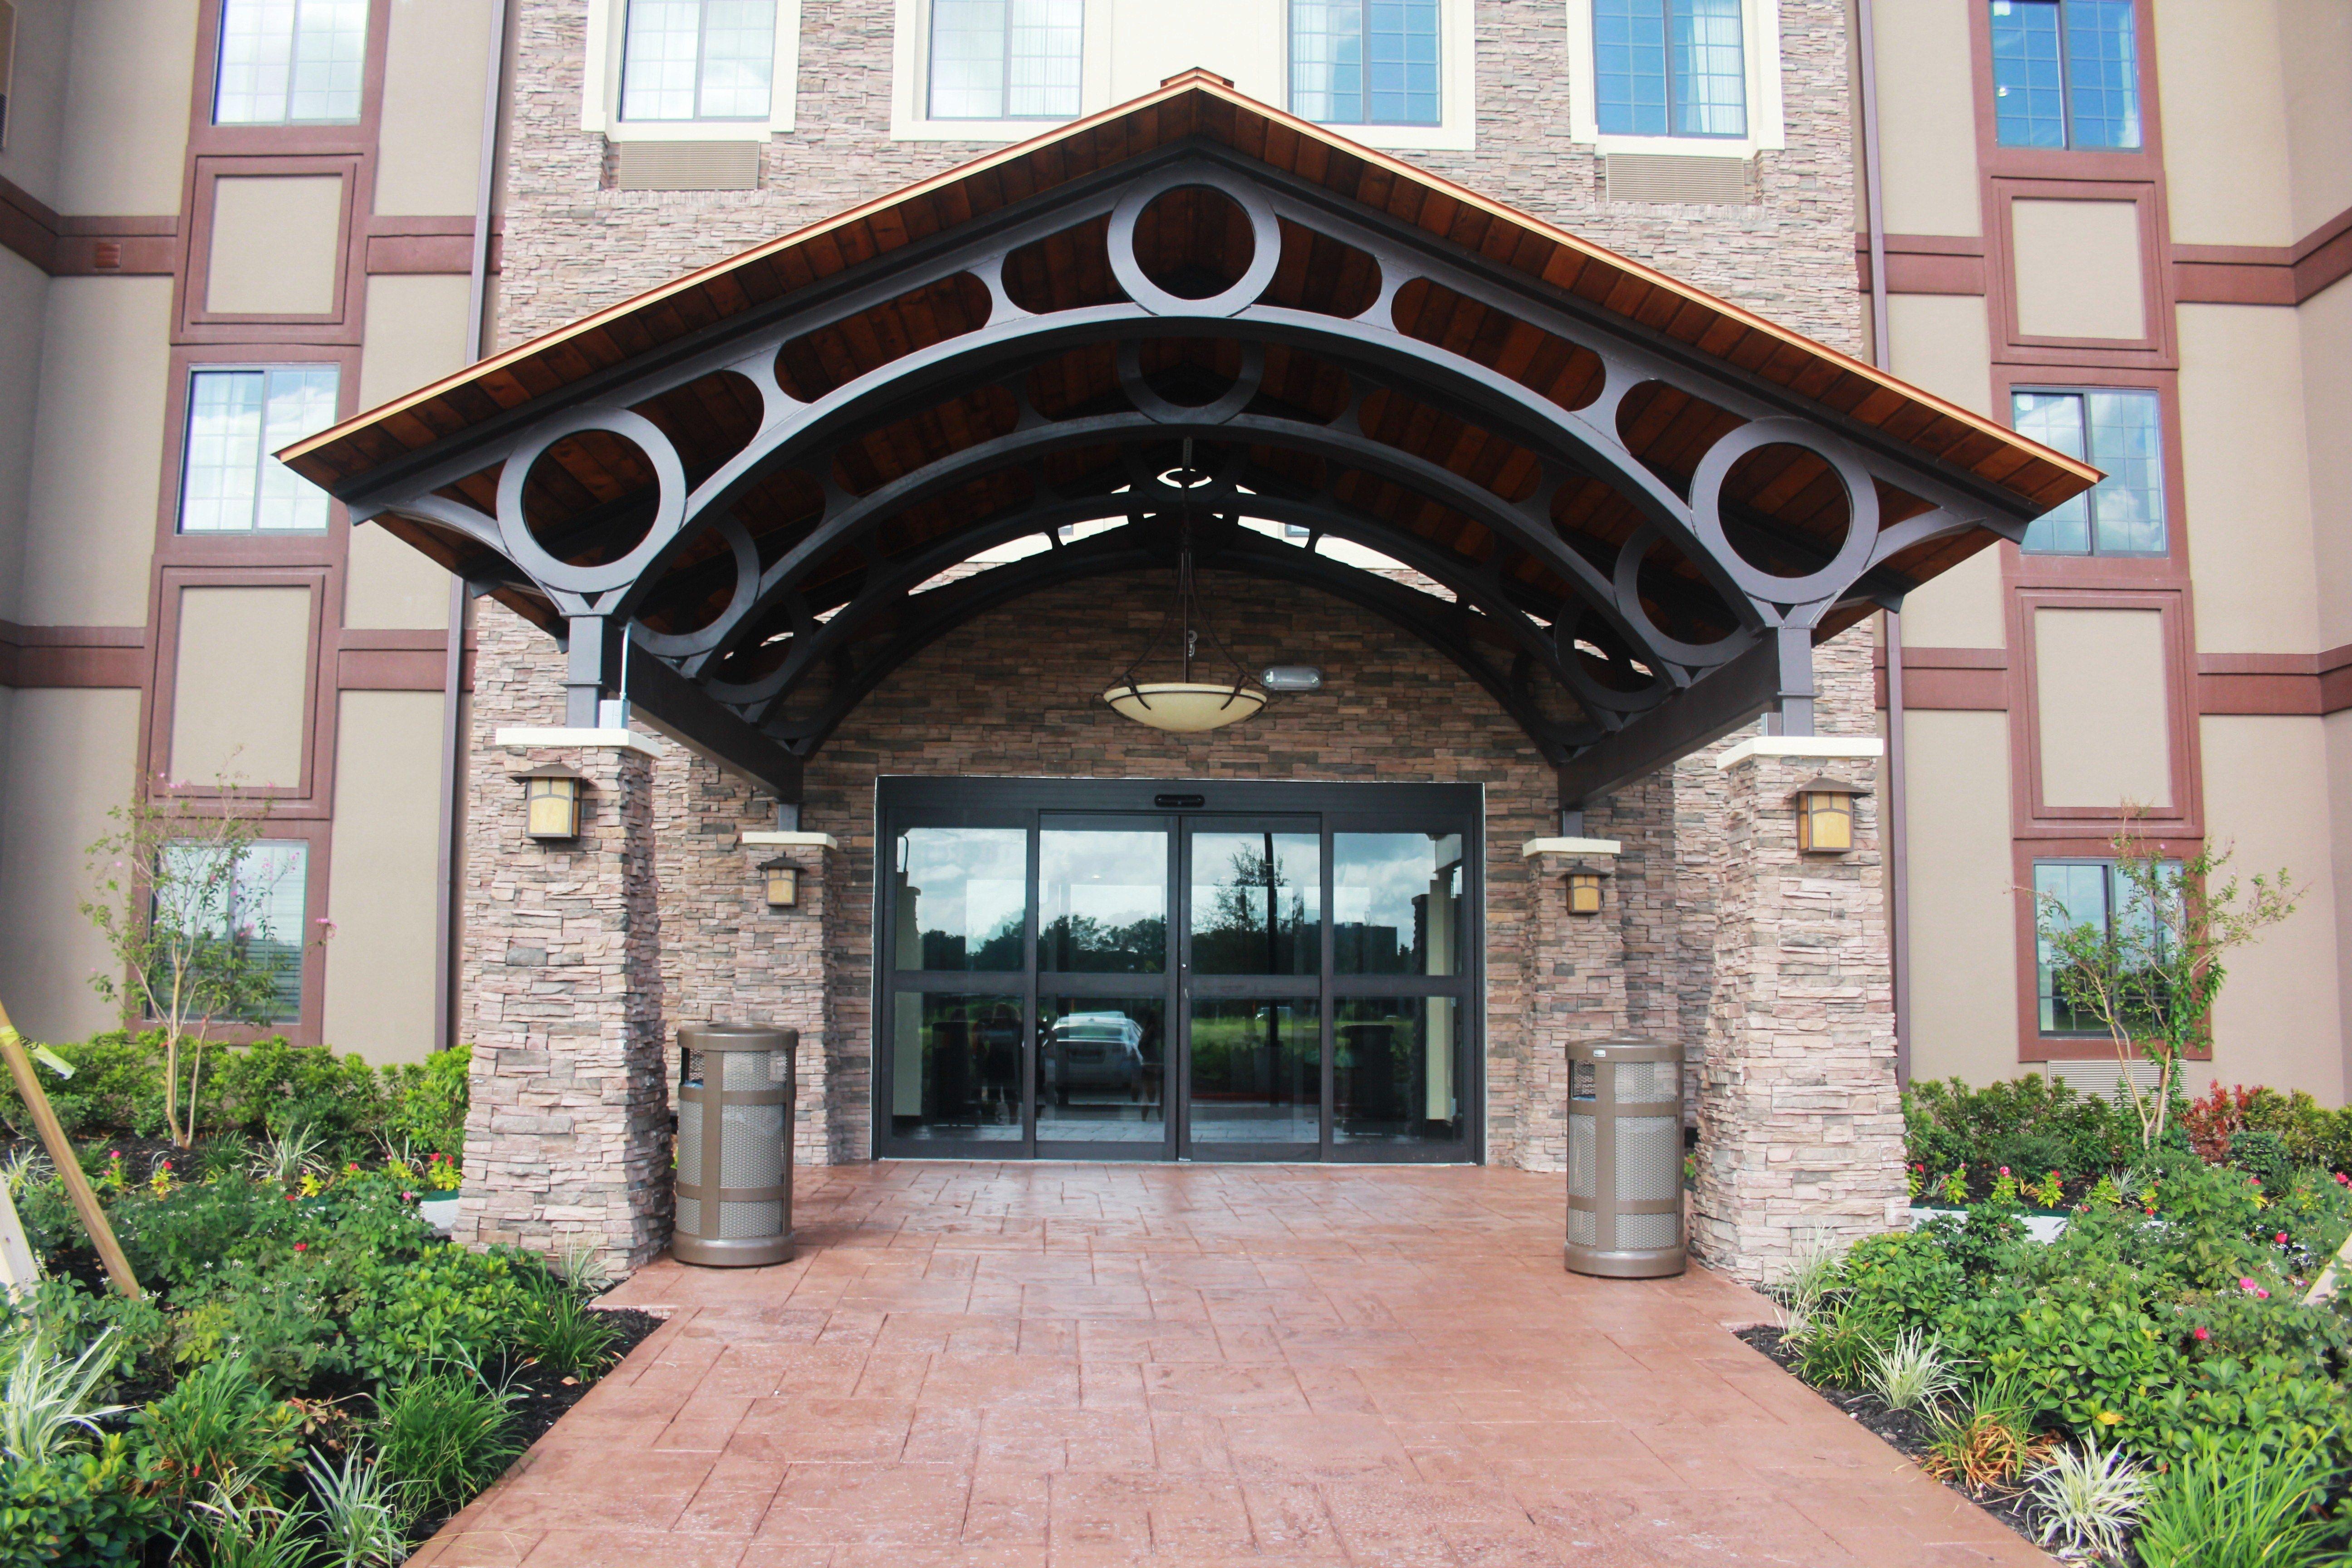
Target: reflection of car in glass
x=1094, y=1050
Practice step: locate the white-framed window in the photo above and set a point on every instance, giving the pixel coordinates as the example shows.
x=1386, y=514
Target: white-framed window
x=690, y=70
x=1685, y=77
x=291, y=62
x=1006, y=59
x=1366, y=62
x=237, y=416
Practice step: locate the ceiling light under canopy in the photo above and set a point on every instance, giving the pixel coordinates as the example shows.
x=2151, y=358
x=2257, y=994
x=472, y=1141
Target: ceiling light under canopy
x=1186, y=706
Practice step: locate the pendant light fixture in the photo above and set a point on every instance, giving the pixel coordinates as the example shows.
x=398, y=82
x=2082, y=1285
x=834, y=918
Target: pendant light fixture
x=1186, y=706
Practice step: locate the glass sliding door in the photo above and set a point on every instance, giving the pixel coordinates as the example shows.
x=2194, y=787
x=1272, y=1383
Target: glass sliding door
x=1112, y=969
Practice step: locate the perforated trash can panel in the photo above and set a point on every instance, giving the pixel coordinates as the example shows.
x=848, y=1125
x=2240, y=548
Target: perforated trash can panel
x=1624, y=1159
x=734, y=1152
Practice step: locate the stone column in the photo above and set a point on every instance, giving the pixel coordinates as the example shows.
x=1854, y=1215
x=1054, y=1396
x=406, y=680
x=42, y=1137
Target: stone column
x=1576, y=985
x=567, y=1138
x=1800, y=1122
x=797, y=984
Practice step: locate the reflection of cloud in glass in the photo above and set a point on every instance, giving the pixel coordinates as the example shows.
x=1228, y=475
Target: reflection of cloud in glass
x=1376, y=877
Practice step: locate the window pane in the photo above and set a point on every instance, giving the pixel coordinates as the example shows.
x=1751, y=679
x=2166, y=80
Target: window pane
x=1043, y=59
x=2128, y=443
x=739, y=58
x=1629, y=48
x=1395, y=903
x=657, y=59
x=2054, y=419
x=260, y=901
x=1102, y=901
x=330, y=48
x=2026, y=78
x=1102, y=1069
x=2080, y=891
x=2102, y=73
x=968, y=60
x=301, y=402
x=1257, y=903
x=1257, y=1071
x=224, y=451
x=962, y=895
x=1710, y=77
x=256, y=57
x=955, y=1066
x=1327, y=60
x=1397, y=1070
x=1401, y=62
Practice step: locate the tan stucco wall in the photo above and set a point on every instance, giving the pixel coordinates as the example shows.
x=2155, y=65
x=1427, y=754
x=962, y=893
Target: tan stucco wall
x=1963, y=899
x=1940, y=343
x=1926, y=118
x=378, y=999
x=2099, y=684
x=36, y=98
x=2325, y=325
x=2225, y=128
x=24, y=292
x=415, y=334
x=2266, y=792
x=97, y=445
x=2078, y=269
x=241, y=705
x=276, y=245
x=2338, y=732
x=126, y=121
x=436, y=56
x=2316, y=45
x=70, y=757
x=2244, y=457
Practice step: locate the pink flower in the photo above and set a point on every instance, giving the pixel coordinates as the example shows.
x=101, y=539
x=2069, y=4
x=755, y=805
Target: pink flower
x=408, y=1197
x=2262, y=1295
x=2245, y=1284
x=2282, y=1241
x=2204, y=1334
x=301, y=1246
x=2004, y=1170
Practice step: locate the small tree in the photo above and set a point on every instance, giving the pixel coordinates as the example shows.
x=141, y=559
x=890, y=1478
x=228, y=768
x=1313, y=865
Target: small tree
x=2151, y=972
x=182, y=897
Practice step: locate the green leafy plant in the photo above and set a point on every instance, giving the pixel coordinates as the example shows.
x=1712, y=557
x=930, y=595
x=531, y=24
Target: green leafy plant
x=289, y=1153
x=2086, y=1501
x=1804, y=1287
x=426, y=1103
x=1985, y=1439
x=2151, y=974
x=270, y=1088
x=447, y=1303
x=569, y=1335
x=220, y=1427
x=357, y=1513
x=182, y=899
x=2224, y=1509
x=48, y=1404
x=444, y=1434
x=1912, y=1373
x=242, y=1529
x=83, y=1508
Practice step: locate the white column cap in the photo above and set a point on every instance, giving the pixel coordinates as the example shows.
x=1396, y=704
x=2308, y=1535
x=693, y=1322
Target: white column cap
x=1802, y=746
x=1535, y=847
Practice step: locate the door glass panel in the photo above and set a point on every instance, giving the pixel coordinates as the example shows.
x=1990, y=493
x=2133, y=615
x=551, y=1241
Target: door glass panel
x=1257, y=903
x=1396, y=903
x=1102, y=1069
x=1396, y=1070
x=962, y=896
x=1257, y=1070
x=955, y=1066
x=1102, y=901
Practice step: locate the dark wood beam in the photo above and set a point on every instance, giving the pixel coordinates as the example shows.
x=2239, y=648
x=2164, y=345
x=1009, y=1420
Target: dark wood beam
x=1758, y=681
x=674, y=706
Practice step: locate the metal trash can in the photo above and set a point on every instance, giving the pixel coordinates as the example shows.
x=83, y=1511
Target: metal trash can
x=734, y=1146
x=1625, y=1158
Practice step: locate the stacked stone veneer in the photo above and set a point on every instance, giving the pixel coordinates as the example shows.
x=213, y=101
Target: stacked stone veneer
x=567, y=1136
x=1577, y=982
x=1800, y=1123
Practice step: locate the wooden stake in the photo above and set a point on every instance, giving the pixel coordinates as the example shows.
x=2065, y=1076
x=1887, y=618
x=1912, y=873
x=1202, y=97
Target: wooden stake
x=61, y=1153
x=20, y=1269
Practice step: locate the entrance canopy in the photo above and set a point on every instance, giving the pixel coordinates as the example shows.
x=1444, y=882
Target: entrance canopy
x=1627, y=509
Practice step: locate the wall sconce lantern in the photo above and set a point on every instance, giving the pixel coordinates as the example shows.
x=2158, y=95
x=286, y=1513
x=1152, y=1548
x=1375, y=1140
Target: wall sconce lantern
x=552, y=801
x=1825, y=816
x=1584, y=892
x=784, y=880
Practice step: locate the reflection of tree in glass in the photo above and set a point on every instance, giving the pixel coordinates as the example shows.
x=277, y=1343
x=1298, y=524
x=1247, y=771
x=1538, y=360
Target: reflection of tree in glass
x=1257, y=913
x=1083, y=944
x=999, y=951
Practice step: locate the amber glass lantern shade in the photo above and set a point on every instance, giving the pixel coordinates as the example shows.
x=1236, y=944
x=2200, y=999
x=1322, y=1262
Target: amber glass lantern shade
x=552, y=801
x=1825, y=816
x=783, y=882
x=1584, y=892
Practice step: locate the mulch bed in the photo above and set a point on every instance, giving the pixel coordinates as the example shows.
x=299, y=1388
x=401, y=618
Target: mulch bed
x=1903, y=1429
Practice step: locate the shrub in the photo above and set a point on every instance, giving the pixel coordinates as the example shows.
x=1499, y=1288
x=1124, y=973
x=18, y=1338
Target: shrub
x=79, y=1509
x=449, y=1303
x=2264, y=1156
x=1912, y=1373
x=269, y=1087
x=2237, y=1510
x=2032, y=1125
x=426, y=1109
x=117, y=1086
x=1987, y=1439
x=568, y=1334
x=443, y=1435
x=220, y=1428
x=2086, y=1501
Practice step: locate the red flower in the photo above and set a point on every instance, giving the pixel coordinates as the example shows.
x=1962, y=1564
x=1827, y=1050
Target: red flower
x=2282, y=1238
x=2204, y=1334
x=301, y=1246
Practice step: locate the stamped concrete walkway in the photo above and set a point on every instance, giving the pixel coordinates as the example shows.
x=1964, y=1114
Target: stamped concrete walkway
x=1060, y=1366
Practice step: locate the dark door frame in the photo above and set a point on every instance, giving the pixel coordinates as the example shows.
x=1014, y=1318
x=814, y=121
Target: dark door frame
x=902, y=801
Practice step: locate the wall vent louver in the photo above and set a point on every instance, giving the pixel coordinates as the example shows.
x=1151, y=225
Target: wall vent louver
x=688, y=165
x=1675, y=178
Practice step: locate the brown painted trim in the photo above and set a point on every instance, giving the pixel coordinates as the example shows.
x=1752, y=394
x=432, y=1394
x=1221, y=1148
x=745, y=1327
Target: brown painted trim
x=1927, y=263
x=2323, y=256
x=2336, y=680
x=1972, y=679
x=28, y=226
x=2285, y=683
x=398, y=660
x=2168, y=571
x=47, y=657
x=2197, y=280
x=341, y=323
x=2030, y=817
x=425, y=245
x=2156, y=348
x=313, y=795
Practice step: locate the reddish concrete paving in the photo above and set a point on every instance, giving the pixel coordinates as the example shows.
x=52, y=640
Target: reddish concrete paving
x=1066, y=1366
